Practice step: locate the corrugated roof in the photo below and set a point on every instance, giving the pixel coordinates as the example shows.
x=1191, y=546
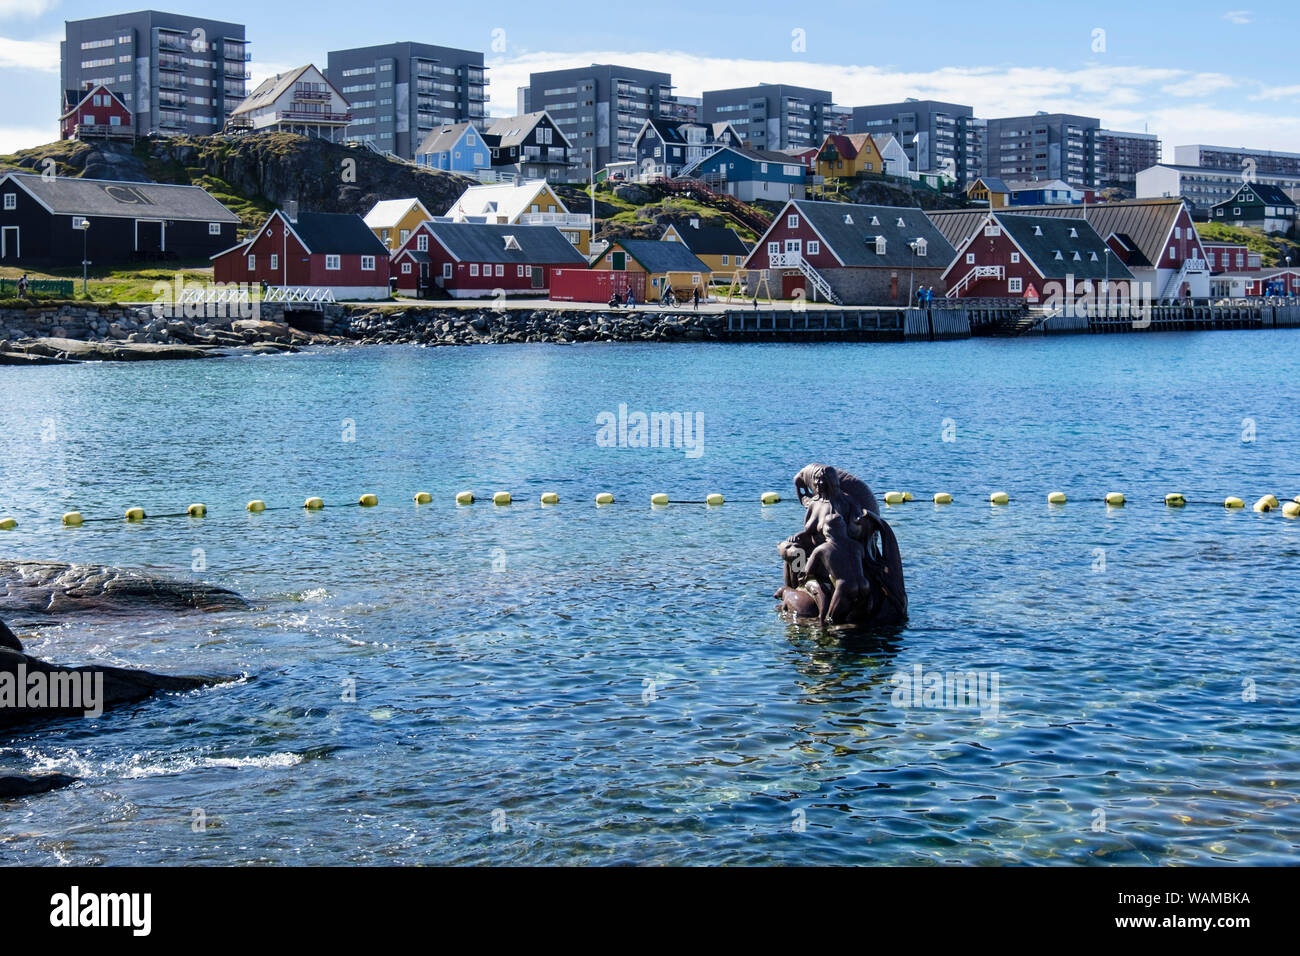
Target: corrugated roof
x=1145, y=222
x=337, y=234
x=101, y=197
x=850, y=231
x=481, y=242
x=656, y=256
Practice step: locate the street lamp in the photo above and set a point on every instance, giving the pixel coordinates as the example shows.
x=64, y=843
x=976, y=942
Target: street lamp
x=1106, y=284
x=911, y=272
x=84, y=225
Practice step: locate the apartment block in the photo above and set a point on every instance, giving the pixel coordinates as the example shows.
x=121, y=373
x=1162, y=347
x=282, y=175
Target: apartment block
x=400, y=92
x=1043, y=146
x=774, y=116
x=936, y=136
x=1238, y=159
x=600, y=108
x=1118, y=157
x=177, y=74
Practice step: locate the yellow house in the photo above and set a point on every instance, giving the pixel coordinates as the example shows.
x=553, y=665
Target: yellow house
x=844, y=156
x=717, y=247
x=529, y=203
x=393, y=221
x=664, y=264
x=992, y=191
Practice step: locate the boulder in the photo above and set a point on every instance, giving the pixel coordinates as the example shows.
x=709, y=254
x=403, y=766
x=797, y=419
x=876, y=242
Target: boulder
x=25, y=785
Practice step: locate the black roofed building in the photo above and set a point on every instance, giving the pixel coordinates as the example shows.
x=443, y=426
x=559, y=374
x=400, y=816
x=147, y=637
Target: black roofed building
x=665, y=265
x=851, y=254
x=529, y=146
x=41, y=219
x=476, y=259
x=1257, y=206
x=718, y=247
x=1035, y=258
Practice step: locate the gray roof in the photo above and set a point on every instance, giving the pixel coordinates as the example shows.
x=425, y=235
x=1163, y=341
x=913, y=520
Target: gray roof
x=337, y=233
x=1143, y=223
x=101, y=197
x=1043, y=238
x=484, y=242
x=850, y=231
x=513, y=130
x=1264, y=193
x=270, y=90
x=712, y=240
x=442, y=139
x=656, y=256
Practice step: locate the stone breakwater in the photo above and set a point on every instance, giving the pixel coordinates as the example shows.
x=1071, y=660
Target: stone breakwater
x=434, y=326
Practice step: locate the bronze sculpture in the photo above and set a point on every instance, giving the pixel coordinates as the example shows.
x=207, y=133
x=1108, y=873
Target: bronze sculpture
x=844, y=567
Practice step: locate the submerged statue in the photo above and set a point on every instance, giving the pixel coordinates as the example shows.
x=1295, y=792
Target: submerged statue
x=844, y=567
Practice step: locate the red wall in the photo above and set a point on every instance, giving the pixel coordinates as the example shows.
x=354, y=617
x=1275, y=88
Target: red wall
x=996, y=251
x=102, y=114
x=780, y=232
x=595, y=285
x=295, y=267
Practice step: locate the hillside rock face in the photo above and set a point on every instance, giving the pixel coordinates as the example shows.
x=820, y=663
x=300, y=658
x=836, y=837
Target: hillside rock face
x=264, y=168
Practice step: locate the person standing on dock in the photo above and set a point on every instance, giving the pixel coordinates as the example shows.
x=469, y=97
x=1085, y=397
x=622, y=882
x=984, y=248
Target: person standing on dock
x=695, y=299
x=631, y=299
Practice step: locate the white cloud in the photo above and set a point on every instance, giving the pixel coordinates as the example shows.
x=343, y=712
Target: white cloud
x=40, y=55
x=14, y=138
x=264, y=71
x=1240, y=16
x=1199, y=84
x=25, y=9
x=1277, y=93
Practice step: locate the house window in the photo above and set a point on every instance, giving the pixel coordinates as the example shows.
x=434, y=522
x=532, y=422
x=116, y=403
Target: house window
x=792, y=222
x=519, y=272
x=333, y=263
x=446, y=270
x=774, y=248
x=814, y=248
x=794, y=245
x=1015, y=257
x=762, y=168
x=970, y=258
x=501, y=270
x=880, y=245
x=1173, y=253
x=275, y=261
x=214, y=228
x=11, y=200
x=726, y=260
x=1236, y=210
x=406, y=268
x=252, y=262
x=367, y=263
x=406, y=234
x=473, y=269
x=422, y=243
x=919, y=246
x=1013, y=285
x=1178, y=232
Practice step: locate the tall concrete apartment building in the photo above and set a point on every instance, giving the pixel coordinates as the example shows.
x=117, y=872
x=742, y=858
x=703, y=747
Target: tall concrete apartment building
x=1072, y=148
x=600, y=108
x=935, y=135
x=400, y=92
x=178, y=74
x=1118, y=157
x=776, y=115
x=1238, y=159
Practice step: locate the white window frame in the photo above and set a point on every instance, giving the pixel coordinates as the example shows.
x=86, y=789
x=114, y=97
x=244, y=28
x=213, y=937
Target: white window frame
x=446, y=270
x=214, y=228
x=406, y=268
x=422, y=243
x=792, y=221
x=333, y=263
x=473, y=270
x=1015, y=257
x=501, y=270
x=252, y=261
x=1015, y=284
x=814, y=248
x=11, y=201
x=367, y=263
x=970, y=258
x=275, y=261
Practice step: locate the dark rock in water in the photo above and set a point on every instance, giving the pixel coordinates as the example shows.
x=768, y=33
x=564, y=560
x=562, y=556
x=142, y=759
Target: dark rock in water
x=25, y=785
x=37, y=588
x=9, y=639
x=94, y=688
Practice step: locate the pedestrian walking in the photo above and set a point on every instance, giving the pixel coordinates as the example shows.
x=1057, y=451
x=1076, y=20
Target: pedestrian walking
x=695, y=299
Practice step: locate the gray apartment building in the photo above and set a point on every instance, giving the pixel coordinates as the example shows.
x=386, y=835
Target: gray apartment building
x=400, y=92
x=775, y=116
x=1118, y=157
x=178, y=74
x=934, y=134
x=1238, y=159
x=1042, y=146
x=600, y=107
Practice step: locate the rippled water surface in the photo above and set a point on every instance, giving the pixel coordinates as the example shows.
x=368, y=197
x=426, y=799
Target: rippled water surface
x=613, y=685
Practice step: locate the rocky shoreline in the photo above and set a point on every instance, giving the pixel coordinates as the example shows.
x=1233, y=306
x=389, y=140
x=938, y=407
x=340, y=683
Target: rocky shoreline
x=76, y=333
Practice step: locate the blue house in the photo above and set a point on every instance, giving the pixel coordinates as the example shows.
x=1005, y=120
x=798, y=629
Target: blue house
x=457, y=149
x=1044, y=192
x=750, y=174
x=664, y=146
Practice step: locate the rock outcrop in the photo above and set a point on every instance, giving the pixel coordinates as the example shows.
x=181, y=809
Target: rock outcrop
x=431, y=326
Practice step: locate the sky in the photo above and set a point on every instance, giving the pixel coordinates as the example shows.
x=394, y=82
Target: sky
x=1190, y=71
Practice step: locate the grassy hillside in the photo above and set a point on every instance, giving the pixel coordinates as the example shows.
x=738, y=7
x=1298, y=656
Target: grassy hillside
x=1273, y=249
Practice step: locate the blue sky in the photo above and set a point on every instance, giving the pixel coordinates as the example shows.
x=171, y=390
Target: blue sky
x=1221, y=73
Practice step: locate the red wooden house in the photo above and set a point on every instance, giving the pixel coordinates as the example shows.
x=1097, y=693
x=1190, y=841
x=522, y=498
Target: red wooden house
x=1032, y=257
x=95, y=113
x=313, y=250
x=474, y=259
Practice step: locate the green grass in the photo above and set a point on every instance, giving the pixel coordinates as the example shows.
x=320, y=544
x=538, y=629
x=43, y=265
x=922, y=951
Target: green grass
x=123, y=284
x=1272, y=249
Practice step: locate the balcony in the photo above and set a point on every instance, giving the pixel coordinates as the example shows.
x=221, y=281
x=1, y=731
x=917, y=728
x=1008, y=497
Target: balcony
x=570, y=219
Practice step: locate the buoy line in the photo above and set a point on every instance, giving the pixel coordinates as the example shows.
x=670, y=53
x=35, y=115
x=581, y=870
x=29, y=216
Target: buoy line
x=893, y=499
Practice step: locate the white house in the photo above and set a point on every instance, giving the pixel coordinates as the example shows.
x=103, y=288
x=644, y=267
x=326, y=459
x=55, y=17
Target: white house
x=301, y=101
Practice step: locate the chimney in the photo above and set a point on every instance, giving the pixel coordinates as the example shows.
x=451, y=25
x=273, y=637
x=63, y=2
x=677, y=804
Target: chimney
x=695, y=224
x=291, y=211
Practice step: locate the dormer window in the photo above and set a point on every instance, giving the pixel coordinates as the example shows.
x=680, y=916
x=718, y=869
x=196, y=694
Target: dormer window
x=848, y=219
x=880, y=245
x=901, y=223
x=1077, y=257
x=1074, y=233
x=1038, y=230
x=919, y=246
x=1092, y=257
x=512, y=243
x=875, y=220
x=1058, y=255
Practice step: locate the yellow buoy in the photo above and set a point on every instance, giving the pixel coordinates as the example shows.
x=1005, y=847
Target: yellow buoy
x=715, y=499
x=943, y=498
x=1234, y=503
x=197, y=510
x=313, y=504
x=1115, y=499
x=368, y=501
x=1056, y=498
x=604, y=498
x=423, y=497
x=894, y=498
x=907, y=496
x=256, y=505
x=464, y=497
x=134, y=514
x=501, y=498
x=1290, y=508
x=770, y=498
x=999, y=498
x=550, y=498
x=659, y=499
x=1267, y=503
x=1175, y=500
x=7, y=523
x=72, y=519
